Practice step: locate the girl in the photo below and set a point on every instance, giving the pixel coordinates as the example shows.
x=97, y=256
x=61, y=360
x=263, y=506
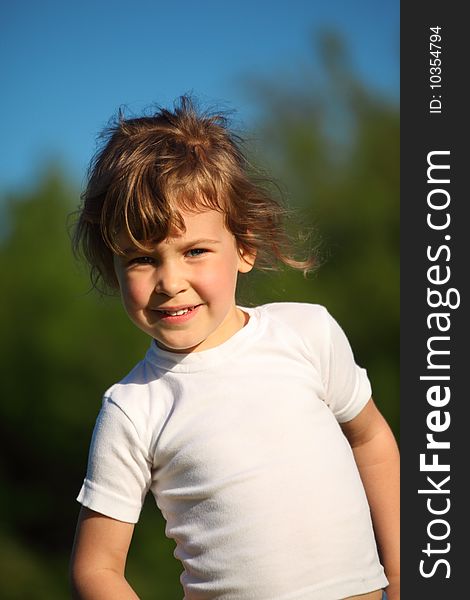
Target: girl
x=234, y=420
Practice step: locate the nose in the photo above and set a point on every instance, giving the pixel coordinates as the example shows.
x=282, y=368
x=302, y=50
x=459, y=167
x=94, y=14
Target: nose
x=171, y=280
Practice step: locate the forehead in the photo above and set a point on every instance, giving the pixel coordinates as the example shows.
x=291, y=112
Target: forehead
x=202, y=221
x=205, y=225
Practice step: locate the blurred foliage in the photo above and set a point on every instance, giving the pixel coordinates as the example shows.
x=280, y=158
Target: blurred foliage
x=333, y=145
x=335, y=148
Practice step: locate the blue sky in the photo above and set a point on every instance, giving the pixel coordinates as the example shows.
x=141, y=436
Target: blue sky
x=67, y=66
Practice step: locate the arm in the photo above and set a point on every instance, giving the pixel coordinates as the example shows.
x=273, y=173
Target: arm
x=99, y=558
x=377, y=457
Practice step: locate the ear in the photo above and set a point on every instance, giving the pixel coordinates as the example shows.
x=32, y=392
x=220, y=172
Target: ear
x=246, y=260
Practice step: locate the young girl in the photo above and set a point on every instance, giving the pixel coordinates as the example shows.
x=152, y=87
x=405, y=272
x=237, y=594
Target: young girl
x=234, y=420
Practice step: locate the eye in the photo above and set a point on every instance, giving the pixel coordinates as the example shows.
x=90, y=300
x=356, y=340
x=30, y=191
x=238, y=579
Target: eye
x=195, y=252
x=142, y=260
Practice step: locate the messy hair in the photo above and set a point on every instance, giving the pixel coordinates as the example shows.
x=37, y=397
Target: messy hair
x=152, y=168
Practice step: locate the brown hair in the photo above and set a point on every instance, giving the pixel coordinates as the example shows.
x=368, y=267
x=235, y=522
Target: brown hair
x=151, y=168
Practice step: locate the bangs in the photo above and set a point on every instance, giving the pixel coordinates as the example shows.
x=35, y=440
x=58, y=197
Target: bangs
x=153, y=169
x=147, y=207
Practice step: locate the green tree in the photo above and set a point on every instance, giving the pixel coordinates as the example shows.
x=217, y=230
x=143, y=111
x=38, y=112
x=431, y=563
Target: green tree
x=61, y=347
x=334, y=146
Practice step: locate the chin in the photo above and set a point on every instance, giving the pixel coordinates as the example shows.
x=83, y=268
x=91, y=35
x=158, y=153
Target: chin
x=178, y=347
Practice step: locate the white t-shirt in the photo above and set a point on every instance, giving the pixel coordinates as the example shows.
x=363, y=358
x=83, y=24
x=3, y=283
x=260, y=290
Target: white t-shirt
x=241, y=447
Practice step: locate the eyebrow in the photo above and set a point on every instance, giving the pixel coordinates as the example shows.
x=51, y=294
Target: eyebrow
x=189, y=244
x=201, y=242
x=132, y=250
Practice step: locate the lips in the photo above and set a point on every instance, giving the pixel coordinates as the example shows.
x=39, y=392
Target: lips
x=177, y=314
x=176, y=311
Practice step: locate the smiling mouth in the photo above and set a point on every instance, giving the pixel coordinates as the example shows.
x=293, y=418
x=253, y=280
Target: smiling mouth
x=177, y=313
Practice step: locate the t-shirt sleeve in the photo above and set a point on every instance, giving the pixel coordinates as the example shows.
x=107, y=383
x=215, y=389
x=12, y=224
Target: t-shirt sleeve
x=119, y=468
x=347, y=386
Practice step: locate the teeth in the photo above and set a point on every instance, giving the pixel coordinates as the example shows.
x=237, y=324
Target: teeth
x=176, y=313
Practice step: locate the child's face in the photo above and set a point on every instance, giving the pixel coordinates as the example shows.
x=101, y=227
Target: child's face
x=192, y=273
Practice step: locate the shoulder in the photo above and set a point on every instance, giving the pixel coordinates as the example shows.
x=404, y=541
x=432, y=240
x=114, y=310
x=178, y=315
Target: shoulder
x=294, y=310
x=310, y=320
x=302, y=327
x=132, y=388
x=140, y=397
x=308, y=330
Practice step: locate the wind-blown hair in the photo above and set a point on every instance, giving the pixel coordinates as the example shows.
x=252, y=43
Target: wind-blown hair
x=152, y=168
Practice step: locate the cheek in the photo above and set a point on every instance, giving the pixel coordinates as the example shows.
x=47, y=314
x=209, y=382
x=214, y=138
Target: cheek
x=134, y=292
x=219, y=281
